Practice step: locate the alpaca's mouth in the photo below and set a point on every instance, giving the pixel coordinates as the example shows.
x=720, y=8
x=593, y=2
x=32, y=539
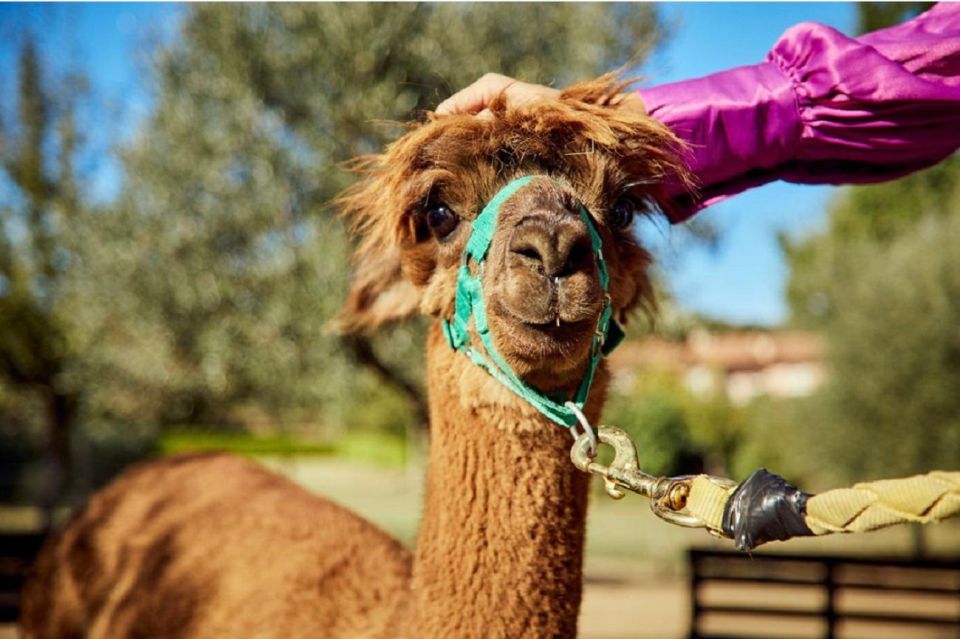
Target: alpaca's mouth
x=555, y=347
x=554, y=323
x=569, y=342
x=559, y=328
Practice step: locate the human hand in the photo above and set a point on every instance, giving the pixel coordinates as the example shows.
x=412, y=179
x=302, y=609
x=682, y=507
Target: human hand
x=477, y=97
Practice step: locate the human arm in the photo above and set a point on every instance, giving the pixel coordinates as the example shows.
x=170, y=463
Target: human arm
x=823, y=108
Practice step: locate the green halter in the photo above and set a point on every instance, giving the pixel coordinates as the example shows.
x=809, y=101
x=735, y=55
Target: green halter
x=470, y=303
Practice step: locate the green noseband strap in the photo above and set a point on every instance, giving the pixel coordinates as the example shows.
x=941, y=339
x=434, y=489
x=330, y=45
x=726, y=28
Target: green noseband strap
x=470, y=304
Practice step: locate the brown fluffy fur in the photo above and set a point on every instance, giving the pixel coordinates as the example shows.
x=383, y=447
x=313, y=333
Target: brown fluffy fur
x=215, y=546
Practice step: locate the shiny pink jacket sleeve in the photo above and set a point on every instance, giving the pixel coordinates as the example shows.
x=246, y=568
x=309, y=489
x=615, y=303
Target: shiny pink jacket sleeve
x=823, y=108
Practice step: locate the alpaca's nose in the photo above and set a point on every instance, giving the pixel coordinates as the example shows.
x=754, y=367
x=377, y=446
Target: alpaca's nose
x=556, y=246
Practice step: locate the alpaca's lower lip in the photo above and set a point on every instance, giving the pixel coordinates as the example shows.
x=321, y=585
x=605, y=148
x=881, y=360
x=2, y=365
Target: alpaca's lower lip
x=562, y=337
x=555, y=325
x=548, y=356
x=561, y=326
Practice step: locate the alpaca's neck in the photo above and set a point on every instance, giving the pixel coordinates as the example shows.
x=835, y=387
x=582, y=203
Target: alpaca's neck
x=501, y=541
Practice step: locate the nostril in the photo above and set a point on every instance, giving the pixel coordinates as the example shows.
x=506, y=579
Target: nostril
x=575, y=259
x=556, y=247
x=528, y=251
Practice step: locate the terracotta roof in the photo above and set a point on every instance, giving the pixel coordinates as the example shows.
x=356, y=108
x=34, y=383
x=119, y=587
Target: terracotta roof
x=747, y=350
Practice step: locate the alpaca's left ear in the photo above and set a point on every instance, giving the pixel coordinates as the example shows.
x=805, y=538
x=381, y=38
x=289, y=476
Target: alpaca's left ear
x=379, y=294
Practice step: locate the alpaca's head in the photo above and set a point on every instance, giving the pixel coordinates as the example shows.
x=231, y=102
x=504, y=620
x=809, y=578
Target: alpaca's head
x=414, y=207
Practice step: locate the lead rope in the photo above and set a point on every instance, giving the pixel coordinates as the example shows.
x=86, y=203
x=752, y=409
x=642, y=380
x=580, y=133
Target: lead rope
x=765, y=507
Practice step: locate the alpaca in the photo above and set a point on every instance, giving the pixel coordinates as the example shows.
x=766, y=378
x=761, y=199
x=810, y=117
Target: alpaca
x=213, y=545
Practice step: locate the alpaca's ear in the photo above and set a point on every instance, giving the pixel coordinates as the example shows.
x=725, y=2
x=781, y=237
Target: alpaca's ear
x=379, y=294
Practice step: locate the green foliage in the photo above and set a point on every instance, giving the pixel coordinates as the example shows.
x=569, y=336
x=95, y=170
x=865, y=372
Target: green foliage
x=718, y=429
x=894, y=353
x=40, y=208
x=672, y=426
x=877, y=15
x=197, y=440
x=779, y=434
x=877, y=214
x=653, y=414
x=368, y=446
x=22, y=426
x=883, y=212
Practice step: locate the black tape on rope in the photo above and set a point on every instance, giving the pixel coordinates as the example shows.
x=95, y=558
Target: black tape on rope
x=765, y=508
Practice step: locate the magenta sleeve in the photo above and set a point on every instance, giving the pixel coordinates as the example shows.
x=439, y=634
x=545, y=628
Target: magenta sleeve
x=823, y=108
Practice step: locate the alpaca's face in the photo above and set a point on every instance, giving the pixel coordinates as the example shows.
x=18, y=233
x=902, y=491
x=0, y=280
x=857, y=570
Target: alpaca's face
x=540, y=279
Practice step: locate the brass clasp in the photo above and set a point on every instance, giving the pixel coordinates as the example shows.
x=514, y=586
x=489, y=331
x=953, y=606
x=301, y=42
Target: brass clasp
x=668, y=495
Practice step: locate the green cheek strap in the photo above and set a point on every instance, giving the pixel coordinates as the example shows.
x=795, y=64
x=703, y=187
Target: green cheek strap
x=470, y=304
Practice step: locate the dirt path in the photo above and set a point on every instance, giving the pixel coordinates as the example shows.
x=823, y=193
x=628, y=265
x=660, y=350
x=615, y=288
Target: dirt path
x=613, y=610
x=634, y=610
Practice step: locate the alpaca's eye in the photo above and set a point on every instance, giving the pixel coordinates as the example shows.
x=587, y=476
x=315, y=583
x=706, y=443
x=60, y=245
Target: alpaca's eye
x=441, y=220
x=623, y=212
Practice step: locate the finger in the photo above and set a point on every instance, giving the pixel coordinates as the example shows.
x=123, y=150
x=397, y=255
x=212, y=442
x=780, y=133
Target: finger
x=476, y=96
x=464, y=101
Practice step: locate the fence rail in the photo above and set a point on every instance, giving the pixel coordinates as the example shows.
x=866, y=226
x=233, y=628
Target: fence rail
x=773, y=595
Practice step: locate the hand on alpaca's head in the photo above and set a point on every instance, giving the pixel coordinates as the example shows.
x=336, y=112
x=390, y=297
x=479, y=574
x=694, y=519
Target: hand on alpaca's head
x=477, y=96
x=414, y=205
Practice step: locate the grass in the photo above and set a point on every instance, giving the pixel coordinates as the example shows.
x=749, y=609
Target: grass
x=373, y=448
x=196, y=440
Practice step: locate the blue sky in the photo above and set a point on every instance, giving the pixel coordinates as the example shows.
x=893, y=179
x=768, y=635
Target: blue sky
x=742, y=281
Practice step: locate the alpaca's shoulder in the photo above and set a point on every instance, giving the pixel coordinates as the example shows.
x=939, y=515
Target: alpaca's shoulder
x=209, y=495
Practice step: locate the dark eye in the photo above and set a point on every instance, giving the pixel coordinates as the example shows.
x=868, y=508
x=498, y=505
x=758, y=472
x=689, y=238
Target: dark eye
x=441, y=220
x=623, y=211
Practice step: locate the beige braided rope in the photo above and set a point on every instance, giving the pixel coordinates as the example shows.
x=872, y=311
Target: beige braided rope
x=867, y=506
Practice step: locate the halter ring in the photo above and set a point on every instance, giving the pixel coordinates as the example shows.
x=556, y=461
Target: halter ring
x=587, y=428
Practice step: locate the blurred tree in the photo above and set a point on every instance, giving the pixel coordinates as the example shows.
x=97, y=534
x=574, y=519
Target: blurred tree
x=878, y=214
x=877, y=15
x=222, y=263
x=677, y=431
x=653, y=411
x=894, y=354
x=718, y=430
x=39, y=205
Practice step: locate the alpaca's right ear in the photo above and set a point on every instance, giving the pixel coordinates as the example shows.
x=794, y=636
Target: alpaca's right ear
x=379, y=293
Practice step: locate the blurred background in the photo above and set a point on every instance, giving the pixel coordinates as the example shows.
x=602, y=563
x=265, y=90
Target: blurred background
x=169, y=258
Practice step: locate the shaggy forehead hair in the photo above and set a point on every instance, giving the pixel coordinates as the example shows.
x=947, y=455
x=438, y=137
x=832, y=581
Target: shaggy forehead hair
x=581, y=138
